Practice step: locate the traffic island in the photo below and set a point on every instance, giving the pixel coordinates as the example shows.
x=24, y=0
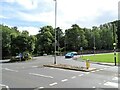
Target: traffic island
x=70, y=67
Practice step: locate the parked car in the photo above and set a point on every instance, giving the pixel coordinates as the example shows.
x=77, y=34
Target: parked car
x=74, y=53
x=69, y=55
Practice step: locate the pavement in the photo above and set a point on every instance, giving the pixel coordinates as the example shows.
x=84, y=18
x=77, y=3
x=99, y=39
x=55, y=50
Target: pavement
x=31, y=74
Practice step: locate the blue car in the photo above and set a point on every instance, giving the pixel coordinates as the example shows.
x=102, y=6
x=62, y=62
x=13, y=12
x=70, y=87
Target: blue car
x=69, y=55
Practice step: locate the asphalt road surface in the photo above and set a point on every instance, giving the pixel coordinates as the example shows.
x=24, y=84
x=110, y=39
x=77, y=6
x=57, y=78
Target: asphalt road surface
x=32, y=74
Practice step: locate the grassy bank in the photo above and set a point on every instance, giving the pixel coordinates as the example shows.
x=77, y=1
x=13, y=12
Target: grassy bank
x=107, y=58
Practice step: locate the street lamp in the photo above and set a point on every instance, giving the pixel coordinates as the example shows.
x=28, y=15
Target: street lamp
x=55, y=29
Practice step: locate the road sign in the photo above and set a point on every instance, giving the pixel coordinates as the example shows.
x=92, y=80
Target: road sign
x=114, y=43
x=81, y=48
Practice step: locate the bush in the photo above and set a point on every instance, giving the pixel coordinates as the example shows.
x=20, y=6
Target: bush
x=25, y=56
x=14, y=59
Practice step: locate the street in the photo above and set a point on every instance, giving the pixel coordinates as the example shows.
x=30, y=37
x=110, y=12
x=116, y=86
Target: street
x=32, y=74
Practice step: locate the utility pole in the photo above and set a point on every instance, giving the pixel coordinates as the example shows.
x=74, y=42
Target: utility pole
x=55, y=29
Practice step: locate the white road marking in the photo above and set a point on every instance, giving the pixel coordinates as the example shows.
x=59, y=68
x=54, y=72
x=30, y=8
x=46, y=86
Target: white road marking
x=86, y=72
x=10, y=70
x=63, y=70
x=93, y=87
x=97, y=70
x=41, y=87
x=81, y=75
x=34, y=66
x=115, y=78
x=101, y=69
x=104, y=81
x=52, y=84
x=104, y=68
x=41, y=75
x=112, y=84
x=64, y=80
x=5, y=86
x=73, y=77
x=92, y=71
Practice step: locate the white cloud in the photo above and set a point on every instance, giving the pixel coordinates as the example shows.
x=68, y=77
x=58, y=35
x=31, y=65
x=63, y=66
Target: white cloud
x=28, y=4
x=31, y=30
x=1, y=16
x=9, y=1
x=85, y=10
x=71, y=11
x=82, y=12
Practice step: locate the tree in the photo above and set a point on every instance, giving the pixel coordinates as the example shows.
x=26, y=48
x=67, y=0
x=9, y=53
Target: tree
x=59, y=38
x=8, y=35
x=45, y=40
x=75, y=38
x=106, y=36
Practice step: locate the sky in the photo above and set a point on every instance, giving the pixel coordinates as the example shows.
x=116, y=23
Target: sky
x=30, y=15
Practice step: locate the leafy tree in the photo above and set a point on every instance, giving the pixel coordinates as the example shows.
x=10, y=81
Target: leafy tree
x=75, y=38
x=7, y=35
x=106, y=37
x=59, y=38
x=45, y=40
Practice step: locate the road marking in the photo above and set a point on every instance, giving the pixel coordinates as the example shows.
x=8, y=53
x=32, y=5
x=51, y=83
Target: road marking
x=86, y=72
x=92, y=71
x=10, y=70
x=52, y=84
x=97, y=70
x=104, y=68
x=41, y=75
x=112, y=84
x=64, y=80
x=73, y=77
x=34, y=66
x=93, y=87
x=41, y=87
x=63, y=70
x=115, y=78
x=101, y=69
x=81, y=75
x=5, y=86
x=104, y=81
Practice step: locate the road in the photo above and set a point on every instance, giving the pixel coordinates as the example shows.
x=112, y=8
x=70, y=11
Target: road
x=32, y=74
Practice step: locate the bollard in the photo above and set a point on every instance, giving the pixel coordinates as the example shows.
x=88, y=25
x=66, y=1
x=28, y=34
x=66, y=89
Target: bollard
x=87, y=64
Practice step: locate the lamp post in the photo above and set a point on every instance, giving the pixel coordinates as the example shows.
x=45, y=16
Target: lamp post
x=55, y=29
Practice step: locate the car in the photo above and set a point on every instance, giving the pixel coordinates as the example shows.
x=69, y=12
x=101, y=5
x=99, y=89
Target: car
x=74, y=53
x=69, y=55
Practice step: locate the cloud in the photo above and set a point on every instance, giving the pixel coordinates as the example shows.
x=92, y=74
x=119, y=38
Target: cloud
x=86, y=13
x=31, y=30
x=75, y=11
x=27, y=4
x=1, y=16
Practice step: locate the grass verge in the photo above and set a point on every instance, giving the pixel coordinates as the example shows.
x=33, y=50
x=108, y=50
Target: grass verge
x=106, y=58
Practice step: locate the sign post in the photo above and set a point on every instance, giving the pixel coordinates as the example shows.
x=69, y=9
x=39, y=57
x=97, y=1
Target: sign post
x=81, y=49
x=114, y=44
